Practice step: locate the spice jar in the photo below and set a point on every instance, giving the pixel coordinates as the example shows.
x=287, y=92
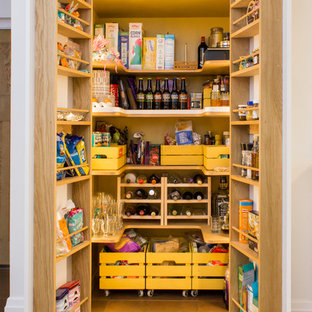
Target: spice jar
x=242, y=114
x=249, y=113
x=216, y=36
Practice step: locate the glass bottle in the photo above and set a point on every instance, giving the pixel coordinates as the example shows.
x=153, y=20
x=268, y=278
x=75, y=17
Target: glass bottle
x=129, y=195
x=166, y=96
x=154, y=212
x=141, y=194
x=149, y=96
x=175, y=195
x=157, y=95
x=183, y=95
x=186, y=211
x=175, y=95
x=140, y=97
x=187, y=195
x=143, y=210
x=201, y=52
x=152, y=194
x=154, y=179
x=129, y=211
x=198, y=195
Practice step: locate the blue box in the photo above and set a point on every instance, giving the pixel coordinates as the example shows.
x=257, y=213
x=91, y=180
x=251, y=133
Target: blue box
x=123, y=48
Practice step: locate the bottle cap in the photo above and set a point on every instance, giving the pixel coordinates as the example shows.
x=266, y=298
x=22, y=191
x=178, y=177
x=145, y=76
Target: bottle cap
x=250, y=103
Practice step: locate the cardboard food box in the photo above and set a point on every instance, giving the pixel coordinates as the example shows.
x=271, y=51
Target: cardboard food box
x=169, y=51
x=149, y=53
x=111, y=35
x=123, y=48
x=135, y=45
x=160, y=52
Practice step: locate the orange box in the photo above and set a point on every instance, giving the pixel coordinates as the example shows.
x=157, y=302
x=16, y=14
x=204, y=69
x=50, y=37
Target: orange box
x=245, y=206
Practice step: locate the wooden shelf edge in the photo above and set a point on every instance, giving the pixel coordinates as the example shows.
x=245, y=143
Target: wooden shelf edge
x=139, y=201
x=245, y=180
x=246, y=167
x=187, y=185
x=141, y=218
x=78, y=305
x=244, y=249
x=191, y=201
x=72, y=234
x=67, y=109
x=73, y=251
x=73, y=58
x=74, y=16
x=247, y=72
x=245, y=234
x=238, y=4
x=73, y=73
x=245, y=123
x=72, y=180
x=238, y=305
x=204, y=217
x=247, y=31
x=140, y=185
x=71, y=31
x=74, y=123
x=81, y=3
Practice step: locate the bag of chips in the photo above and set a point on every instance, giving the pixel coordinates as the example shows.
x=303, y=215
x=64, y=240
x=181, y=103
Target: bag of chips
x=60, y=155
x=74, y=221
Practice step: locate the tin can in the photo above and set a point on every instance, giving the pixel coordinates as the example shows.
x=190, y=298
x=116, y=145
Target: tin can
x=106, y=139
x=97, y=139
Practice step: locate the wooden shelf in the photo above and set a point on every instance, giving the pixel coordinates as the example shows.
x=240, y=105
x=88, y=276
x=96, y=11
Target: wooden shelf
x=67, y=109
x=247, y=72
x=73, y=309
x=140, y=185
x=209, y=68
x=141, y=201
x=72, y=180
x=73, y=251
x=81, y=3
x=74, y=16
x=187, y=185
x=247, y=31
x=70, y=72
x=245, y=234
x=245, y=16
x=245, y=123
x=71, y=167
x=73, y=123
x=245, y=250
x=245, y=167
x=246, y=57
x=135, y=113
x=72, y=234
x=238, y=305
x=238, y=4
x=187, y=217
x=245, y=180
x=73, y=58
x=186, y=201
x=141, y=217
x=71, y=32
x=245, y=109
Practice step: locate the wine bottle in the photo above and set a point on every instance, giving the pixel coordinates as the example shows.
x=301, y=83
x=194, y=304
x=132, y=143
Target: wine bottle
x=129, y=195
x=174, y=179
x=154, y=212
x=186, y=211
x=152, y=194
x=187, y=195
x=140, y=97
x=183, y=95
x=198, y=195
x=166, y=97
x=149, y=96
x=157, y=95
x=130, y=178
x=141, y=194
x=130, y=211
x=141, y=179
x=143, y=210
x=199, y=179
x=201, y=52
x=175, y=211
x=174, y=95
x=175, y=195
x=154, y=179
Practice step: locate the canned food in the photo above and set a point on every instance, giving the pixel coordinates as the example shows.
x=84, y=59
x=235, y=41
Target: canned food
x=106, y=139
x=97, y=139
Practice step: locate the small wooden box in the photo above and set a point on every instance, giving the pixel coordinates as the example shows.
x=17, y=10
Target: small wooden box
x=116, y=157
x=212, y=156
x=181, y=155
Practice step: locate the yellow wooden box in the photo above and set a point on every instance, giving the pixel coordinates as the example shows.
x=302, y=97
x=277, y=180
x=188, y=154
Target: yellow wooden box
x=212, y=156
x=181, y=155
x=116, y=157
x=160, y=275
x=133, y=275
x=208, y=283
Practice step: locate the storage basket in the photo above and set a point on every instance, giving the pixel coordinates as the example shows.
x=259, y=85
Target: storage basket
x=214, y=156
x=115, y=157
x=181, y=155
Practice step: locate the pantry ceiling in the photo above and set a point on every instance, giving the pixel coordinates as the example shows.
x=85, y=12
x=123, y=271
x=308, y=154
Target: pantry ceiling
x=161, y=8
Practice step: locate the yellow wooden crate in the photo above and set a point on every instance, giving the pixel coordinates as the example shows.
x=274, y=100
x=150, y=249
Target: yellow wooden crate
x=183, y=160
x=169, y=270
x=204, y=258
x=122, y=283
x=211, y=164
x=214, y=151
x=122, y=270
x=112, y=152
x=108, y=164
x=181, y=149
x=169, y=283
x=207, y=283
x=113, y=257
x=181, y=155
x=209, y=270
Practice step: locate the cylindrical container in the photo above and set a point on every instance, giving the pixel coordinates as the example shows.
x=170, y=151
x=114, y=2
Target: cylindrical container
x=245, y=205
x=215, y=224
x=242, y=114
x=96, y=139
x=216, y=36
x=218, y=139
x=226, y=138
x=249, y=115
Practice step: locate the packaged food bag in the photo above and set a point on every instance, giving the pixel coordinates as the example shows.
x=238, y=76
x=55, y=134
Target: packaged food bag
x=74, y=221
x=62, y=246
x=126, y=244
x=184, y=132
x=60, y=155
x=76, y=153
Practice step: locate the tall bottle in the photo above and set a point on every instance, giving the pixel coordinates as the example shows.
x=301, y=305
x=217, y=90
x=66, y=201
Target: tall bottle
x=175, y=195
x=143, y=210
x=140, y=97
x=201, y=52
x=198, y=195
x=175, y=95
x=149, y=96
x=183, y=95
x=187, y=195
x=154, y=179
x=157, y=95
x=166, y=97
x=130, y=211
x=141, y=194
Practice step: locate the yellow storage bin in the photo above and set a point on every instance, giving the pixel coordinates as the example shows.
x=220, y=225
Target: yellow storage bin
x=208, y=283
x=213, y=154
x=168, y=270
x=181, y=155
x=115, y=157
x=130, y=276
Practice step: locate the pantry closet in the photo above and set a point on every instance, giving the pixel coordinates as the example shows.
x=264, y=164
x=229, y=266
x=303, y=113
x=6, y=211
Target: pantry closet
x=60, y=90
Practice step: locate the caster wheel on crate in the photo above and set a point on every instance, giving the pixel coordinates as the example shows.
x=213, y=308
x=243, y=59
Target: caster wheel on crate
x=185, y=293
x=107, y=293
x=150, y=293
x=140, y=293
x=194, y=293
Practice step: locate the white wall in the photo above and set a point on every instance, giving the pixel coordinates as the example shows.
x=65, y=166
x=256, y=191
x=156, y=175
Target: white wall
x=5, y=14
x=301, y=156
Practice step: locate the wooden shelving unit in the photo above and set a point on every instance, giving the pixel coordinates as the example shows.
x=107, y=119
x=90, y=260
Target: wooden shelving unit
x=70, y=72
x=81, y=3
x=71, y=32
x=247, y=72
x=247, y=31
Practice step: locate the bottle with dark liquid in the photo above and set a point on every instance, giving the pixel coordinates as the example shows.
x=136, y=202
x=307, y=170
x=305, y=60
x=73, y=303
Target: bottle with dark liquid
x=157, y=95
x=152, y=194
x=198, y=195
x=141, y=194
x=187, y=195
x=140, y=97
x=183, y=95
x=149, y=96
x=154, y=179
x=175, y=211
x=154, y=212
x=143, y=210
x=201, y=52
x=199, y=179
x=174, y=179
x=166, y=97
x=129, y=195
x=130, y=211
x=175, y=195
x=186, y=211
x=175, y=95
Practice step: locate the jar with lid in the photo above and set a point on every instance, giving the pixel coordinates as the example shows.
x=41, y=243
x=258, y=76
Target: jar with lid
x=226, y=138
x=242, y=114
x=249, y=112
x=216, y=36
x=215, y=93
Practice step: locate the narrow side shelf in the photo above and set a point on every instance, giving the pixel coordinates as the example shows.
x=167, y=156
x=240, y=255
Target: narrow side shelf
x=73, y=251
x=81, y=3
x=70, y=72
x=245, y=250
x=190, y=201
x=239, y=4
x=71, y=32
x=72, y=180
x=247, y=31
x=247, y=72
x=140, y=185
x=245, y=123
x=245, y=180
x=238, y=305
x=73, y=309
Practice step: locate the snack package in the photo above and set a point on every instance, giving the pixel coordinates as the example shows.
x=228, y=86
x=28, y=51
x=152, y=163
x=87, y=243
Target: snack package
x=74, y=221
x=184, y=132
x=126, y=244
x=149, y=53
x=73, y=49
x=76, y=153
x=154, y=155
x=60, y=155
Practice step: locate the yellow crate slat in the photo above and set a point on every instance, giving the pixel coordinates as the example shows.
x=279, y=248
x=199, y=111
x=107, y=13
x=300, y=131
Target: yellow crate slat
x=178, y=160
x=208, y=257
x=210, y=164
x=112, y=152
x=168, y=270
x=122, y=270
x=131, y=257
x=209, y=270
x=122, y=283
x=178, y=258
x=181, y=149
x=214, y=151
x=111, y=164
x=208, y=283
x=169, y=283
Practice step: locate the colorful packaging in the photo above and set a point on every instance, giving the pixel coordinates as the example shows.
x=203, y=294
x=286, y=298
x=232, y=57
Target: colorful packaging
x=252, y=297
x=73, y=292
x=125, y=244
x=76, y=153
x=184, y=132
x=253, y=229
x=169, y=51
x=149, y=53
x=74, y=221
x=99, y=29
x=245, y=206
x=123, y=48
x=135, y=45
x=111, y=36
x=246, y=276
x=60, y=155
x=160, y=52
x=154, y=155
x=62, y=303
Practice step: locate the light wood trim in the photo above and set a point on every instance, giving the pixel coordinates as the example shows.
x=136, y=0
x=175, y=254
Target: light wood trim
x=245, y=167
x=245, y=109
x=204, y=217
x=247, y=72
x=204, y=185
x=246, y=57
x=71, y=32
x=245, y=250
x=246, y=15
x=238, y=305
x=78, y=305
x=70, y=72
x=141, y=201
x=73, y=251
x=245, y=234
x=72, y=58
x=73, y=16
x=72, y=180
x=191, y=201
x=245, y=123
x=78, y=110
x=81, y=3
x=141, y=217
x=72, y=234
x=245, y=180
x=247, y=31
x=209, y=193
x=240, y=4
x=150, y=185
x=164, y=196
x=72, y=167
x=73, y=123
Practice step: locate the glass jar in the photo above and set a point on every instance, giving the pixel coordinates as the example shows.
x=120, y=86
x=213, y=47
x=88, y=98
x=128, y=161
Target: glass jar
x=242, y=114
x=216, y=36
x=224, y=99
x=215, y=224
x=249, y=112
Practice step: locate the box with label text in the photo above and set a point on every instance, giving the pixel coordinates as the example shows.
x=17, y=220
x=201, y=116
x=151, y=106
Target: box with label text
x=169, y=51
x=111, y=35
x=149, y=53
x=135, y=45
x=123, y=48
x=160, y=52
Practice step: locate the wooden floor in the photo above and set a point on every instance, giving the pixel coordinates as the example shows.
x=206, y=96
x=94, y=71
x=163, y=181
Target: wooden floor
x=161, y=302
